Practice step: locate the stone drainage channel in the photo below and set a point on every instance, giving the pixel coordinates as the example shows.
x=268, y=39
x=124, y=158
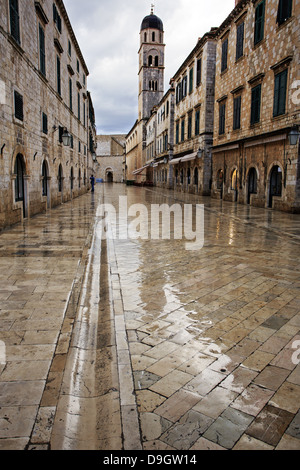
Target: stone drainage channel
x=96, y=405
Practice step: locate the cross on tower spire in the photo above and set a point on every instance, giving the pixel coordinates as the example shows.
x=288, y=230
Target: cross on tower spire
x=152, y=8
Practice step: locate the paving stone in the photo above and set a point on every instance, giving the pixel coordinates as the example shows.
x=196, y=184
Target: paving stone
x=187, y=430
x=228, y=428
x=270, y=425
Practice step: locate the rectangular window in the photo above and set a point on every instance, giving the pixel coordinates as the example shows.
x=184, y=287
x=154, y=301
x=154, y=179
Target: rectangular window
x=182, y=130
x=42, y=50
x=77, y=65
x=56, y=18
x=259, y=22
x=177, y=133
x=255, y=104
x=224, y=55
x=237, y=112
x=70, y=94
x=78, y=106
x=190, y=126
x=284, y=11
x=84, y=118
x=45, y=123
x=222, y=111
x=197, y=122
x=58, y=75
x=191, y=80
x=14, y=20
x=19, y=114
x=240, y=40
x=199, y=69
x=69, y=48
x=280, y=93
x=184, y=87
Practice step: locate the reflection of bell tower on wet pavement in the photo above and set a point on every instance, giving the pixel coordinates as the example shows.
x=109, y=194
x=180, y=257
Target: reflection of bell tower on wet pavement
x=151, y=64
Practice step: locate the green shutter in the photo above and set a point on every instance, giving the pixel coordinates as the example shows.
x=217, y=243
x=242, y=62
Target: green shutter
x=255, y=104
x=42, y=50
x=58, y=75
x=259, y=22
x=14, y=20
x=280, y=93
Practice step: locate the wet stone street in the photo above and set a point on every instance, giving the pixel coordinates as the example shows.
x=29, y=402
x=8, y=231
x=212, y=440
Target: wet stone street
x=123, y=343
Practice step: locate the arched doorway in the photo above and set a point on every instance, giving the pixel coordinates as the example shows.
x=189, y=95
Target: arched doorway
x=275, y=184
x=19, y=171
x=110, y=177
x=252, y=183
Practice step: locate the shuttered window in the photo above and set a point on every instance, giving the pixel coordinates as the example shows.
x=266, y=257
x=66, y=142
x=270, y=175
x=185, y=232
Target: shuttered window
x=14, y=20
x=255, y=104
x=240, y=40
x=259, y=22
x=191, y=80
x=45, y=123
x=222, y=112
x=199, y=69
x=42, y=50
x=237, y=112
x=197, y=122
x=280, y=93
x=58, y=75
x=70, y=94
x=56, y=18
x=182, y=130
x=19, y=114
x=224, y=55
x=284, y=10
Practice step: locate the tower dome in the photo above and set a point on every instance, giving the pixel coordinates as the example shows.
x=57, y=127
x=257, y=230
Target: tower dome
x=152, y=21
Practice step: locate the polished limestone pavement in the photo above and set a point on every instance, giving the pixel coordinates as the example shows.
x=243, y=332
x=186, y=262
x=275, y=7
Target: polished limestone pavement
x=123, y=343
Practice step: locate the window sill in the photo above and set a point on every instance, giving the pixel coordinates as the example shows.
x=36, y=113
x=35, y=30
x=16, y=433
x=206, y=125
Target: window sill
x=286, y=22
x=260, y=43
x=15, y=44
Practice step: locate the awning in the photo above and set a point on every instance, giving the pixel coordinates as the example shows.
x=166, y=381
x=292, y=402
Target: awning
x=186, y=158
x=140, y=170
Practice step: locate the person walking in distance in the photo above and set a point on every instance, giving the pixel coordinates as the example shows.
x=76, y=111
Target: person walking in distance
x=92, y=178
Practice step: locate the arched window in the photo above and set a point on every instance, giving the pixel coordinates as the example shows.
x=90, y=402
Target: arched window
x=44, y=179
x=145, y=37
x=156, y=61
x=150, y=61
x=153, y=36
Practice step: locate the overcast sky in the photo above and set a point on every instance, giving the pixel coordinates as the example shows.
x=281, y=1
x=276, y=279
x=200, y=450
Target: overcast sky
x=108, y=34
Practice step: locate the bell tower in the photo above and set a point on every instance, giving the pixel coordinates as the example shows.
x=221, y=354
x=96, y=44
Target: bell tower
x=151, y=64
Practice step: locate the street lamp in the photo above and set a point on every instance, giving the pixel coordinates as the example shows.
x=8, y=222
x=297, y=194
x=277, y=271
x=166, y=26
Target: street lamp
x=294, y=136
x=66, y=138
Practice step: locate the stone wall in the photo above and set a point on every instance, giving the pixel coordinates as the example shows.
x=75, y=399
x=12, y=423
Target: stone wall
x=21, y=72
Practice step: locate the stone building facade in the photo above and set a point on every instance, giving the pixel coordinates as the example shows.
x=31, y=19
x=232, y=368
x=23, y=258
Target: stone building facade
x=43, y=100
x=257, y=69
x=110, y=158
